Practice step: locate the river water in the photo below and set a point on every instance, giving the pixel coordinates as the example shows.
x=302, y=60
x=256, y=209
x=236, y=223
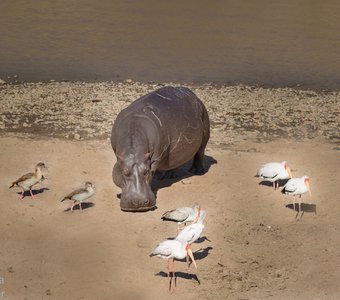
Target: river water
x=271, y=43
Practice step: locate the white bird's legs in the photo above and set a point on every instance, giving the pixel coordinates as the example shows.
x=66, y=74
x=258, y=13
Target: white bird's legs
x=173, y=275
x=169, y=275
x=297, y=214
x=300, y=204
x=276, y=185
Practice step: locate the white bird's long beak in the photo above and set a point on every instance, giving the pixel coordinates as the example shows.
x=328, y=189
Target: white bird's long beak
x=198, y=216
x=308, y=187
x=289, y=172
x=192, y=257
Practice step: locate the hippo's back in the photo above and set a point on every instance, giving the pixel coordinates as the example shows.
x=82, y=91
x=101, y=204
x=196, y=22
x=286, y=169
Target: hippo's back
x=180, y=119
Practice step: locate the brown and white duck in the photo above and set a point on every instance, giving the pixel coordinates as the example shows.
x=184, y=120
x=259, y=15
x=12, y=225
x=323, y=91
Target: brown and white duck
x=27, y=181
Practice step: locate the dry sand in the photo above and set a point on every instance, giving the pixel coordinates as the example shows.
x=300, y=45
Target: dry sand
x=255, y=249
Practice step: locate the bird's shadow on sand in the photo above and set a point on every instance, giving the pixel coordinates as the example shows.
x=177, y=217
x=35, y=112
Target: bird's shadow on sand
x=270, y=184
x=187, y=276
x=202, y=239
x=202, y=253
x=168, y=178
x=34, y=192
x=305, y=207
x=84, y=205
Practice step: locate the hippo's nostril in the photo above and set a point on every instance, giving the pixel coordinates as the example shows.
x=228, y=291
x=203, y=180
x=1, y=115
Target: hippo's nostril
x=136, y=203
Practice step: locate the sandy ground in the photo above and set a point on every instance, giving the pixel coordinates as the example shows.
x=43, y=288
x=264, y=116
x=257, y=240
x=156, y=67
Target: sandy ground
x=254, y=247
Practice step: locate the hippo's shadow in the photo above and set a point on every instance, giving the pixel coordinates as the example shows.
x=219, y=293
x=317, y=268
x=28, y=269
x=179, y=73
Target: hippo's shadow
x=168, y=178
x=84, y=205
x=34, y=192
x=282, y=182
x=305, y=207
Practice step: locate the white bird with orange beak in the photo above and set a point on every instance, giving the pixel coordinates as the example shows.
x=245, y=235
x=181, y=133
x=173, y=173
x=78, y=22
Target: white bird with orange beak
x=183, y=215
x=275, y=171
x=192, y=232
x=173, y=249
x=297, y=186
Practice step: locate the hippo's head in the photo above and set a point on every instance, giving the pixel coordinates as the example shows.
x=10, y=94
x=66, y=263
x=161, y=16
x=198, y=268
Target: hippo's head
x=133, y=174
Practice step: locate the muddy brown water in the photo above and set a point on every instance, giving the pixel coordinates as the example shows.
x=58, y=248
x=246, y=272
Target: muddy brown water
x=270, y=43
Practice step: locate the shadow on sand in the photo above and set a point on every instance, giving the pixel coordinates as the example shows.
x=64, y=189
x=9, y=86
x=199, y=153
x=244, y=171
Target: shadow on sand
x=187, y=276
x=202, y=253
x=34, y=192
x=168, y=178
x=84, y=205
x=305, y=207
x=270, y=184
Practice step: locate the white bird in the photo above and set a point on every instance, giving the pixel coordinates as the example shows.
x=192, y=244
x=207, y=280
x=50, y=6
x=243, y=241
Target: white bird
x=183, y=215
x=80, y=195
x=297, y=186
x=27, y=181
x=173, y=249
x=192, y=232
x=275, y=171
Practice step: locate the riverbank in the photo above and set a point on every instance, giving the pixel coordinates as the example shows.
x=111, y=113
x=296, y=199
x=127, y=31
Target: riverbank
x=82, y=111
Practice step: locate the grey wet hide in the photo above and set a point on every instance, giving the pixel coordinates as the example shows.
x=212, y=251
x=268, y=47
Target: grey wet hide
x=159, y=131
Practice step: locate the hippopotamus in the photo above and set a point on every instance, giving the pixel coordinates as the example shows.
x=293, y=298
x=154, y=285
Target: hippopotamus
x=159, y=131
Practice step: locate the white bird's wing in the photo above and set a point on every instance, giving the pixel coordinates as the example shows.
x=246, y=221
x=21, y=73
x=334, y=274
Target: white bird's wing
x=23, y=178
x=291, y=185
x=270, y=170
x=164, y=248
x=76, y=192
x=179, y=214
x=189, y=234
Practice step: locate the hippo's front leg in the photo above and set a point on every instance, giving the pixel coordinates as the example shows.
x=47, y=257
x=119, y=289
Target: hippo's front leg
x=117, y=176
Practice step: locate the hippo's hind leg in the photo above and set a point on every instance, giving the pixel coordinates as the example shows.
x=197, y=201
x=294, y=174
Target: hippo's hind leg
x=197, y=165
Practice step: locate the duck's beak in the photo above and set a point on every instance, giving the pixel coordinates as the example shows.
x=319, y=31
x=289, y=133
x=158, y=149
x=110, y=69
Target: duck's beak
x=192, y=257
